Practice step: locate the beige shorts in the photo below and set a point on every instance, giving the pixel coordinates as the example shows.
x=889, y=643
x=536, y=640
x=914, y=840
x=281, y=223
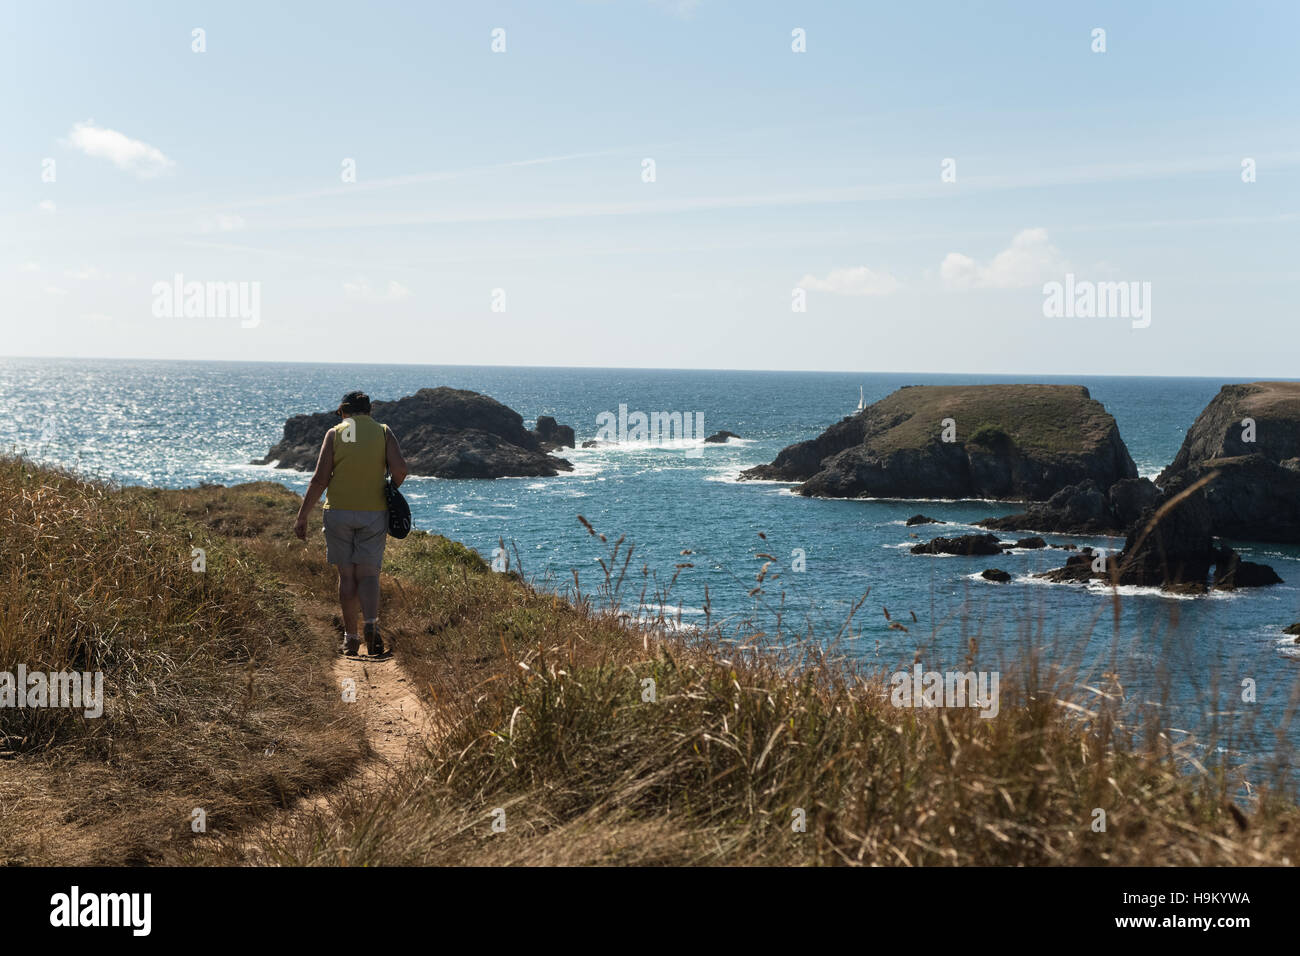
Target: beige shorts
x=355, y=537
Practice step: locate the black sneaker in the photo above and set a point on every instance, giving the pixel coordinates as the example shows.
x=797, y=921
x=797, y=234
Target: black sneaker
x=350, y=645
x=374, y=643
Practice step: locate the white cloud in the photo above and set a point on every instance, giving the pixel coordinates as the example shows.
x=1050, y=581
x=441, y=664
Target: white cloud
x=30, y=267
x=97, y=317
x=89, y=272
x=132, y=155
x=361, y=289
x=859, y=281
x=1029, y=259
x=55, y=290
x=46, y=205
x=220, y=222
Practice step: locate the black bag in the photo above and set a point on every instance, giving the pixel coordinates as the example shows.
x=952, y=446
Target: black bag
x=399, y=512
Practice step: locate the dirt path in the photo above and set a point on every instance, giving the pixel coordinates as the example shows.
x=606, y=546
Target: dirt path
x=396, y=724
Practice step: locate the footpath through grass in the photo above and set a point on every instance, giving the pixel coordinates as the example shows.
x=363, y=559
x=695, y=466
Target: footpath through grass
x=566, y=735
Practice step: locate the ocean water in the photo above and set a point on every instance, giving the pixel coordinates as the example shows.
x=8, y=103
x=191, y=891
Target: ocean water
x=176, y=424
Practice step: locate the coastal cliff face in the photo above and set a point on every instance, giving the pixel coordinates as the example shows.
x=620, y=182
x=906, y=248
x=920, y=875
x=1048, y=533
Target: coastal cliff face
x=444, y=433
x=1012, y=442
x=1247, y=443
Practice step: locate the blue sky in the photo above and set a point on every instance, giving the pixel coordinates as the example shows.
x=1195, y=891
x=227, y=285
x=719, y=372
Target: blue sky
x=522, y=171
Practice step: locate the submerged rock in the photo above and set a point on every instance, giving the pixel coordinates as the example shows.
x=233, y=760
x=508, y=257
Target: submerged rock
x=1012, y=442
x=444, y=433
x=720, y=438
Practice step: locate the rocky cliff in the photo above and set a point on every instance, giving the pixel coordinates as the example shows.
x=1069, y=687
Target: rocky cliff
x=1012, y=442
x=444, y=433
x=1248, y=439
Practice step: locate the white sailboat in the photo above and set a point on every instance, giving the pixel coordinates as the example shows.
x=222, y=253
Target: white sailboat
x=861, y=403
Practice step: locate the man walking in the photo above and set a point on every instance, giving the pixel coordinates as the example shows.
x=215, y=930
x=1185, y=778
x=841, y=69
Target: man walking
x=354, y=458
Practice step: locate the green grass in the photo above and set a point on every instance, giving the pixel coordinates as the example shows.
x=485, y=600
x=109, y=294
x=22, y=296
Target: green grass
x=1056, y=419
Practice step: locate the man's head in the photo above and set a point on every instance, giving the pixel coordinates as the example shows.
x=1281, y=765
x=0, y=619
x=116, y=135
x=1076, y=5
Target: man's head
x=354, y=403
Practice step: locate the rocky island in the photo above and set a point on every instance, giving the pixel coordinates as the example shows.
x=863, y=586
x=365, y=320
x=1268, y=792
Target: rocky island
x=1247, y=440
x=445, y=433
x=1009, y=442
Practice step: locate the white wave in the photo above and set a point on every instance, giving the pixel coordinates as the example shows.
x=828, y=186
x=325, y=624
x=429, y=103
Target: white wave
x=950, y=501
x=584, y=466
x=732, y=442
x=459, y=512
x=1129, y=590
x=725, y=475
x=767, y=481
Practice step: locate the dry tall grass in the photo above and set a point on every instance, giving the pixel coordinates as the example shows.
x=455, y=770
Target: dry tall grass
x=544, y=702
x=544, y=716
x=216, y=695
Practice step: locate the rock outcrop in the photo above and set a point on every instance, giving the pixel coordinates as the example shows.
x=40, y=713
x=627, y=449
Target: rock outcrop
x=1247, y=443
x=1171, y=546
x=965, y=544
x=922, y=519
x=720, y=438
x=1084, y=508
x=1010, y=442
x=552, y=436
x=444, y=433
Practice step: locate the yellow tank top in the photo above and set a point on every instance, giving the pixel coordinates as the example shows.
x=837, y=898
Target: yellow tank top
x=360, y=465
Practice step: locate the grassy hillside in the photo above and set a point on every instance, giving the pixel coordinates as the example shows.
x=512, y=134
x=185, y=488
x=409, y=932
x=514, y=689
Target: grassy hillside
x=545, y=714
x=215, y=695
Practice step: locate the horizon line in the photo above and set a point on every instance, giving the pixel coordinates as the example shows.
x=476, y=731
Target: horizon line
x=637, y=368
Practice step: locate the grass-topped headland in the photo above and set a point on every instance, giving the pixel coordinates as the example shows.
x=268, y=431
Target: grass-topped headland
x=589, y=739
x=961, y=441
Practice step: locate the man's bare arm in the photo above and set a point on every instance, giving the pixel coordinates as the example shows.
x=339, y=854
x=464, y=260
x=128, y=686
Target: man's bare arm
x=396, y=463
x=320, y=481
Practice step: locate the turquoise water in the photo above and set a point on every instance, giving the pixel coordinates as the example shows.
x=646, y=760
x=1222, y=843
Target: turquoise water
x=178, y=423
